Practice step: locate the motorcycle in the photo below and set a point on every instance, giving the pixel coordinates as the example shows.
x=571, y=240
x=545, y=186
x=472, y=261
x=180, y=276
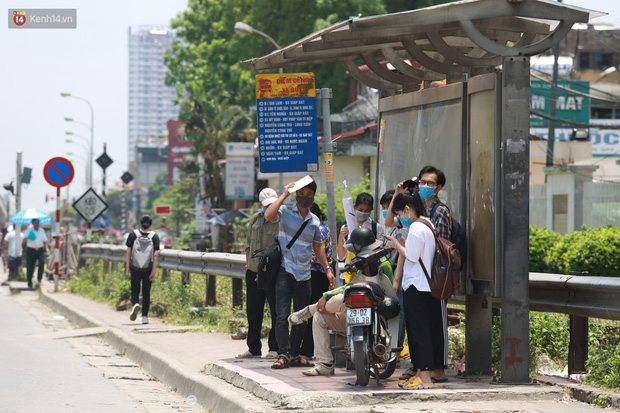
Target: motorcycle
x=372, y=311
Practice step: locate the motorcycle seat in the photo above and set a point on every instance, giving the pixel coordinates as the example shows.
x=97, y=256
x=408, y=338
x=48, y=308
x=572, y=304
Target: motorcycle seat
x=375, y=288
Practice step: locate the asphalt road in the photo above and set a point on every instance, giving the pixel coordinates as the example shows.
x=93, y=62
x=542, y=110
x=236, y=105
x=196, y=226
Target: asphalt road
x=44, y=375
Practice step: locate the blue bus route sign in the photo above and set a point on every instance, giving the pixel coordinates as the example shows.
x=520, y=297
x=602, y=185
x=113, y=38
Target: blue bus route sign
x=287, y=137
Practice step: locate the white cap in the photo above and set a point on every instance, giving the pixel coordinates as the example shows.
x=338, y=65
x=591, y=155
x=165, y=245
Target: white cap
x=267, y=196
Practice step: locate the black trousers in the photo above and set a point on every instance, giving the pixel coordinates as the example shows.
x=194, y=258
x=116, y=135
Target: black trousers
x=34, y=255
x=255, y=308
x=138, y=277
x=320, y=284
x=14, y=264
x=424, y=320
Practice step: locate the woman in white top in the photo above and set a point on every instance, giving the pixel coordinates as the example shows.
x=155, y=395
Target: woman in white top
x=422, y=312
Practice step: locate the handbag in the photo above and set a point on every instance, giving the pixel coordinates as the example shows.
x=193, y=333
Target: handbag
x=271, y=260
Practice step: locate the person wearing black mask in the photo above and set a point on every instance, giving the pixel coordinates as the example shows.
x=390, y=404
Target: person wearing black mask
x=293, y=281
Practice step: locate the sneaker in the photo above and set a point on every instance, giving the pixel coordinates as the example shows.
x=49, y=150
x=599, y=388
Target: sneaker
x=319, y=369
x=145, y=320
x=300, y=316
x=134, y=312
x=415, y=383
x=247, y=355
x=272, y=355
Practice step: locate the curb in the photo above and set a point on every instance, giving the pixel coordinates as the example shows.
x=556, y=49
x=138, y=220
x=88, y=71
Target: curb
x=314, y=400
x=210, y=392
x=582, y=392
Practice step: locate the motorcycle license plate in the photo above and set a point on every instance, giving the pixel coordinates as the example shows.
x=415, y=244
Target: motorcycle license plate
x=358, y=316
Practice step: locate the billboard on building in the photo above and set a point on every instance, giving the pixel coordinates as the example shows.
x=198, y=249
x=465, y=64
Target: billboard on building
x=239, y=170
x=569, y=106
x=178, y=149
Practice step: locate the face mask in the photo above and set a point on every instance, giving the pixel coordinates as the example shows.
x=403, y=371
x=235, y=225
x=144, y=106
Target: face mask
x=305, y=201
x=384, y=213
x=427, y=192
x=362, y=216
x=406, y=221
x=264, y=210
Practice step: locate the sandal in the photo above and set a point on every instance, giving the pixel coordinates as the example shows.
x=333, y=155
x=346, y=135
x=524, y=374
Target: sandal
x=408, y=374
x=301, y=362
x=281, y=363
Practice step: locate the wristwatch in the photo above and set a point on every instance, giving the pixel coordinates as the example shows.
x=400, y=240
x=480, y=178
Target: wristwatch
x=327, y=268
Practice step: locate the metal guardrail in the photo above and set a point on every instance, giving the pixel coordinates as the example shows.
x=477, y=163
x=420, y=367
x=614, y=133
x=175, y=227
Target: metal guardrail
x=207, y=263
x=584, y=296
x=577, y=295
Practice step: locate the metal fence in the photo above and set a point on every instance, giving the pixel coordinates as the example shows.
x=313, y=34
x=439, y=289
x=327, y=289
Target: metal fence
x=579, y=296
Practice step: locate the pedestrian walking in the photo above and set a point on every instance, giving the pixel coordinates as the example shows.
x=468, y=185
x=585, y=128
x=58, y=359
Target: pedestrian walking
x=15, y=255
x=35, y=241
x=261, y=233
x=142, y=254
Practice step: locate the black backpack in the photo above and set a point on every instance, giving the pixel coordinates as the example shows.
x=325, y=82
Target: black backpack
x=457, y=233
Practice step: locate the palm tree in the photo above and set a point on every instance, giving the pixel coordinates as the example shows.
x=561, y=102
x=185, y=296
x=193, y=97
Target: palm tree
x=210, y=122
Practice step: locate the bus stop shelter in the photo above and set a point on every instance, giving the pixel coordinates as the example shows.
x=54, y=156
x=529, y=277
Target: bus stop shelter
x=475, y=128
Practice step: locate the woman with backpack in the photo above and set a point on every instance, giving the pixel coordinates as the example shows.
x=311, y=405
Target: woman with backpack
x=422, y=311
x=142, y=253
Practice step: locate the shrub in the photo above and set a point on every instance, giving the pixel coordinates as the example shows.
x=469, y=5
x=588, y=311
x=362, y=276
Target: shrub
x=541, y=242
x=595, y=250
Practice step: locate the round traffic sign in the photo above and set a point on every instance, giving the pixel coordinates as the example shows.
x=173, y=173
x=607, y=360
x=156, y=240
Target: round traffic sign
x=58, y=172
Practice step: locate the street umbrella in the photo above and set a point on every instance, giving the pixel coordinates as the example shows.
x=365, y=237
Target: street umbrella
x=25, y=217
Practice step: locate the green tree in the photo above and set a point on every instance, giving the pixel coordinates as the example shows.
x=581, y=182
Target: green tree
x=210, y=122
x=181, y=196
x=209, y=53
x=156, y=188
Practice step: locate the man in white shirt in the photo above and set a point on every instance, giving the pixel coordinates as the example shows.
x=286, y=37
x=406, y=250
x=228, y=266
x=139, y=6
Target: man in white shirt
x=35, y=242
x=15, y=260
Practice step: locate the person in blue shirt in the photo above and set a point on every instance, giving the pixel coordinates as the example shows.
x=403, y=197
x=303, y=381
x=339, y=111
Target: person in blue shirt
x=293, y=281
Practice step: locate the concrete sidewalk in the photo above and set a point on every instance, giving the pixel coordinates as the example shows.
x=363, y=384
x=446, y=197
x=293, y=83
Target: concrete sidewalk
x=203, y=364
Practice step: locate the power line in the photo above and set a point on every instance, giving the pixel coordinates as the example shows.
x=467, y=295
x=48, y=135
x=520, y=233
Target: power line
x=617, y=102
x=571, y=122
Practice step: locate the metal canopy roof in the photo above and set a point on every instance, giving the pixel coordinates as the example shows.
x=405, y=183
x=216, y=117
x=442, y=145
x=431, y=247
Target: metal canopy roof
x=444, y=40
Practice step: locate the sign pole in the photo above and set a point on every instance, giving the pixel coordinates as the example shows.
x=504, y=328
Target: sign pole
x=57, y=243
x=328, y=153
x=58, y=172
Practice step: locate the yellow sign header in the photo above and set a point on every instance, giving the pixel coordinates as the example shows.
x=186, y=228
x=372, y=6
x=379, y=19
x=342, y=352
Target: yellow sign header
x=285, y=85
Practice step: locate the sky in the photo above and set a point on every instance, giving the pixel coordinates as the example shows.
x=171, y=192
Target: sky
x=89, y=62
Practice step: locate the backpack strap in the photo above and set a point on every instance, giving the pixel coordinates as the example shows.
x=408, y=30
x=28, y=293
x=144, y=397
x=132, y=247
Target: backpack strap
x=137, y=232
x=428, y=224
x=374, y=228
x=299, y=231
x=151, y=234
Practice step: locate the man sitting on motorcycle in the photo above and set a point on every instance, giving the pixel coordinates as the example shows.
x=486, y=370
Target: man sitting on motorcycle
x=329, y=313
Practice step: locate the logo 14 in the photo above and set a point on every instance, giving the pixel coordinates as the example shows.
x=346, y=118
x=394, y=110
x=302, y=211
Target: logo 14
x=19, y=18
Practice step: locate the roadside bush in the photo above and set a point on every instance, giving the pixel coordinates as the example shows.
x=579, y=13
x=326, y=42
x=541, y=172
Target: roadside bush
x=595, y=250
x=541, y=242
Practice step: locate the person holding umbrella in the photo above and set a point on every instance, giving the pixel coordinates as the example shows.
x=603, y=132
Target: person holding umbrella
x=35, y=242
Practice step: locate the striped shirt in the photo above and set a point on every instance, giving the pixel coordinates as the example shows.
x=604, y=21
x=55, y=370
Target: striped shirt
x=296, y=261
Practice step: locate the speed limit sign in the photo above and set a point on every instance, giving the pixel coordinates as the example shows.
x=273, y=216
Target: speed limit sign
x=90, y=205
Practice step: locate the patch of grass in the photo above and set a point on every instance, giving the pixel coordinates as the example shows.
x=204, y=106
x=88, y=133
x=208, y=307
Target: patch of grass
x=180, y=298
